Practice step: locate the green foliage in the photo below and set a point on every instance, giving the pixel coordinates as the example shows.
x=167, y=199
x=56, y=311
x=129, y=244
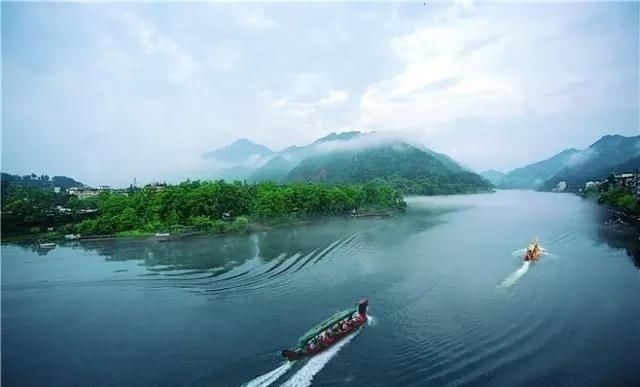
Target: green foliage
x=240, y=224
x=621, y=199
x=210, y=206
x=406, y=168
x=134, y=234
x=627, y=202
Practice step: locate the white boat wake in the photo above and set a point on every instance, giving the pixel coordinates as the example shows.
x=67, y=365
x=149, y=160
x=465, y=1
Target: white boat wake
x=516, y=275
x=270, y=377
x=519, y=253
x=305, y=375
x=522, y=252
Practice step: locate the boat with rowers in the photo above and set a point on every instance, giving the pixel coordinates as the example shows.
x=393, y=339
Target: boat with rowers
x=329, y=332
x=533, y=251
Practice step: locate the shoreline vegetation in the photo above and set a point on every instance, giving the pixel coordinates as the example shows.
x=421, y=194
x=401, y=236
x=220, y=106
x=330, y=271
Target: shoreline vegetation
x=189, y=208
x=619, y=200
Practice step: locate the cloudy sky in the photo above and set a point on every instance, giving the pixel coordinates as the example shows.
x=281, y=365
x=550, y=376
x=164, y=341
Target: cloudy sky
x=108, y=92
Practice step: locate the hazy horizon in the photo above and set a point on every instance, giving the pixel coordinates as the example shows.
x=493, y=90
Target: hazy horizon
x=104, y=93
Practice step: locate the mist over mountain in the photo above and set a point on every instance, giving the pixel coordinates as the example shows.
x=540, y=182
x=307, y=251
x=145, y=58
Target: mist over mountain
x=241, y=151
x=611, y=153
x=352, y=157
x=406, y=167
x=534, y=175
x=493, y=176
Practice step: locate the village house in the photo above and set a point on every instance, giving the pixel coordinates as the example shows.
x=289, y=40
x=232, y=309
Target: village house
x=156, y=186
x=83, y=192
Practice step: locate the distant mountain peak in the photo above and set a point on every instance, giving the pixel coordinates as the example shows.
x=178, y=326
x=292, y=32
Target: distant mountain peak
x=409, y=168
x=243, y=141
x=611, y=140
x=343, y=136
x=238, y=152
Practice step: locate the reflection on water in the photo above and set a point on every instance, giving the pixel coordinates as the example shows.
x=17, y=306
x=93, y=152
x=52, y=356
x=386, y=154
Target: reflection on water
x=620, y=234
x=216, y=310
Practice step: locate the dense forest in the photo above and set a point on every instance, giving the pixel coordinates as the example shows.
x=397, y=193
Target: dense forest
x=214, y=206
x=406, y=168
x=10, y=182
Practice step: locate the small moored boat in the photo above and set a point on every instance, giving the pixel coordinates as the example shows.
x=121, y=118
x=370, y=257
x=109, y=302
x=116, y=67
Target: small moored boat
x=329, y=332
x=163, y=236
x=46, y=245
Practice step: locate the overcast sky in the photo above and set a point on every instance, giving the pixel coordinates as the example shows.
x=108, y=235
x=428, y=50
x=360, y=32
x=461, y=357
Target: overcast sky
x=108, y=92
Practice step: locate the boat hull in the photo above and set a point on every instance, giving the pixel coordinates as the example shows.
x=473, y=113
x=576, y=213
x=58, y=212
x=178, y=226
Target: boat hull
x=532, y=256
x=302, y=352
x=329, y=332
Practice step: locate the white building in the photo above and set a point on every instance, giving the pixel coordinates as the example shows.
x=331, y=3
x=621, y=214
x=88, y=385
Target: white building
x=560, y=187
x=83, y=192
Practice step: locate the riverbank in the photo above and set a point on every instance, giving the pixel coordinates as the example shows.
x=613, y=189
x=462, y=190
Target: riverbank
x=252, y=226
x=618, y=203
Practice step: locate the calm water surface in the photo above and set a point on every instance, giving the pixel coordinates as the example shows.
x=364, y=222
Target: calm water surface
x=452, y=303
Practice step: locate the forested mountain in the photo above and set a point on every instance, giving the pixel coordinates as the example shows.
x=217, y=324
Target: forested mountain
x=42, y=181
x=609, y=154
x=413, y=170
x=493, y=176
x=241, y=151
x=534, y=175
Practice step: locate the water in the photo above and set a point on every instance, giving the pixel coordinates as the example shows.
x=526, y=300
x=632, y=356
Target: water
x=453, y=303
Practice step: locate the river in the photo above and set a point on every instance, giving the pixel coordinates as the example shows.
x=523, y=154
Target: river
x=452, y=302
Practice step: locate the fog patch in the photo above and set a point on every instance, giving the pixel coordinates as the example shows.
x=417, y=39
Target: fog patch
x=367, y=141
x=581, y=157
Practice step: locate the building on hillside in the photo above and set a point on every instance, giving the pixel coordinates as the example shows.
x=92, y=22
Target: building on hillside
x=626, y=181
x=63, y=210
x=156, y=186
x=637, y=184
x=83, y=192
x=591, y=185
x=56, y=190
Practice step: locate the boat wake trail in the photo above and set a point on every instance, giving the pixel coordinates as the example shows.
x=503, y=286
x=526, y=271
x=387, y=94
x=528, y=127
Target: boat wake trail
x=516, y=275
x=269, y=378
x=305, y=375
x=519, y=253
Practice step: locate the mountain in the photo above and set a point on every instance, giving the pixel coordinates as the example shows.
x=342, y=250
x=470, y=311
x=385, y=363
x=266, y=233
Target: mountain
x=413, y=170
x=344, y=136
x=493, y=176
x=534, y=175
x=609, y=154
x=627, y=166
x=241, y=151
x=446, y=160
x=275, y=169
x=237, y=172
x=35, y=181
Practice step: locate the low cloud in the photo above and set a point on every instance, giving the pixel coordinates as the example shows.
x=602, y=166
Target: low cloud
x=366, y=141
x=158, y=85
x=581, y=157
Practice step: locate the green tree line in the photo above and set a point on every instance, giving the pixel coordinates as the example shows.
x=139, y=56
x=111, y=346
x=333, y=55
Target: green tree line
x=215, y=206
